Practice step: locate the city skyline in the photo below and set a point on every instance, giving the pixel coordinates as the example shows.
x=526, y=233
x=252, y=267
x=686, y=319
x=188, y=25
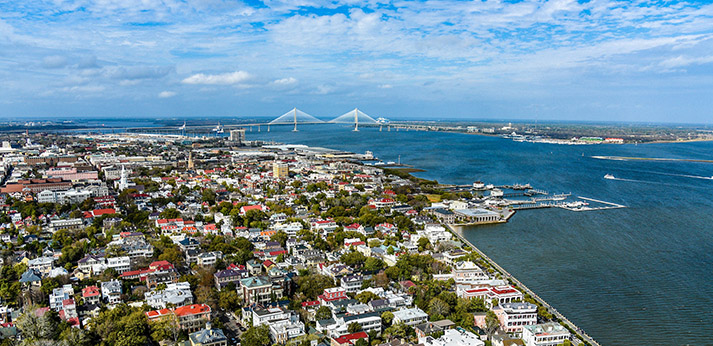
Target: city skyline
x=556, y=60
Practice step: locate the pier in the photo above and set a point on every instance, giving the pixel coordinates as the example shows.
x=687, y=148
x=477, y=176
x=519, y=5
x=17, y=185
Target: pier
x=538, y=205
x=608, y=205
x=578, y=332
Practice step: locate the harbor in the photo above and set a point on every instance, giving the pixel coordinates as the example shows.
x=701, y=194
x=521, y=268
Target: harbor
x=577, y=331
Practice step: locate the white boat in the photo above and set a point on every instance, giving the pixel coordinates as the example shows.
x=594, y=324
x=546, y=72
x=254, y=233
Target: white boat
x=609, y=176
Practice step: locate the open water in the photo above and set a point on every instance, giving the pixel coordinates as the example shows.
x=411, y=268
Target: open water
x=635, y=276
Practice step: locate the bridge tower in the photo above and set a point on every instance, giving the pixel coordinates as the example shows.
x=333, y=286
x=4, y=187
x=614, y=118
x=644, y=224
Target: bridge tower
x=356, y=119
x=294, y=111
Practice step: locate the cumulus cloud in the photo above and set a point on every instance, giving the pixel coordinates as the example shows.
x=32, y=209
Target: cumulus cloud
x=285, y=81
x=166, y=94
x=236, y=77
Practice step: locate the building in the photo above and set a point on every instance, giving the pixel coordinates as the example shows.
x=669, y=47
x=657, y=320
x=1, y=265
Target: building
x=467, y=272
x=331, y=295
x=175, y=294
x=209, y=258
x=208, y=337
x=280, y=170
x=237, y=136
x=111, y=291
x=368, y=322
x=59, y=295
x=189, y=317
x=445, y=215
x=477, y=215
x=255, y=290
x=514, y=316
x=41, y=265
x=91, y=295
x=546, y=334
x=410, y=317
x=454, y=337
x=285, y=330
x=262, y=316
x=192, y=317
x=352, y=283
x=227, y=276
x=503, y=294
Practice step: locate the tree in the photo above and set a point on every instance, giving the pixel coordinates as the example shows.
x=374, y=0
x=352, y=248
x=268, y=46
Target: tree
x=209, y=196
x=423, y=244
x=374, y=264
x=353, y=259
x=491, y=324
x=170, y=213
x=280, y=237
x=37, y=329
x=228, y=299
x=366, y=296
x=323, y=313
x=437, y=307
x=173, y=255
x=314, y=284
x=354, y=327
x=257, y=336
x=387, y=317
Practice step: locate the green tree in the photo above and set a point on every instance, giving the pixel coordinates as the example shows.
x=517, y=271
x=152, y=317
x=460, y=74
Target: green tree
x=170, y=213
x=256, y=336
x=491, y=324
x=438, y=307
x=366, y=296
x=323, y=313
x=387, y=317
x=228, y=299
x=354, y=327
x=313, y=284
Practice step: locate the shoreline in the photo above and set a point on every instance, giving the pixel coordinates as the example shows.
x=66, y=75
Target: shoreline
x=574, y=329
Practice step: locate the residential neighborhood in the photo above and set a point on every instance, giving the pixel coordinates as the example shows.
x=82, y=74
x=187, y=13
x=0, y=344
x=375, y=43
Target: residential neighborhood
x=116, y=240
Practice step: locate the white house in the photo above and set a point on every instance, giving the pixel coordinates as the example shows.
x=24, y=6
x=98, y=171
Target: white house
x=546, y=334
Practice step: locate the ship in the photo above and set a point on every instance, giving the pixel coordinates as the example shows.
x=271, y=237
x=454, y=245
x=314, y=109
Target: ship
x=382, y=120
x=218, y=129
x=609, y=176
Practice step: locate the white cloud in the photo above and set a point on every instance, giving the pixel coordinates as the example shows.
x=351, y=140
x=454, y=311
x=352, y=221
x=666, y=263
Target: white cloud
x=236, y=77
x=166, y=94
x=285, y=81
x=385, y=86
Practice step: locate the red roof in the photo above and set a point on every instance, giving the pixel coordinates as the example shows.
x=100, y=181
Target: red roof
x=161, y=265
x=157, y=313
x=192, y=309
x=90, y=291
x=310, y=303
x=251, y=207
x=349, y=339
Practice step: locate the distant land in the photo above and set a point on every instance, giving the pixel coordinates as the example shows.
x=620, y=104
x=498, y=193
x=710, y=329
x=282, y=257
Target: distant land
x=557, y=132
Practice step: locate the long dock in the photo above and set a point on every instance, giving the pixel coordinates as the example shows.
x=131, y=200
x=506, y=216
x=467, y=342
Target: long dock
x=579, y=331
x=608, y=205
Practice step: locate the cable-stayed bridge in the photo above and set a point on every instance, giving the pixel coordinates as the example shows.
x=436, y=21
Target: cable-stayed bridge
x=292, y=117
x=354, y=117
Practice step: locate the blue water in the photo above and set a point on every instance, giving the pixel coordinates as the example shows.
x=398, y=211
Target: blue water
x=638, y=276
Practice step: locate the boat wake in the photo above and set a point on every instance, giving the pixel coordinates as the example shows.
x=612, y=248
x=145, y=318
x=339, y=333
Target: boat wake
x=683, y=175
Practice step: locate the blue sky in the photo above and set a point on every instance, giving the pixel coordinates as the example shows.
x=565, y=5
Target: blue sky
x=562, y=60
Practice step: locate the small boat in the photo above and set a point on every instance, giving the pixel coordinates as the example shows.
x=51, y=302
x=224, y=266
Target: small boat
x=609, y=176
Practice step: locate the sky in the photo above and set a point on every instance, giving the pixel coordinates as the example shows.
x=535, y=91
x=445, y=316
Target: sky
x=598, y=60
